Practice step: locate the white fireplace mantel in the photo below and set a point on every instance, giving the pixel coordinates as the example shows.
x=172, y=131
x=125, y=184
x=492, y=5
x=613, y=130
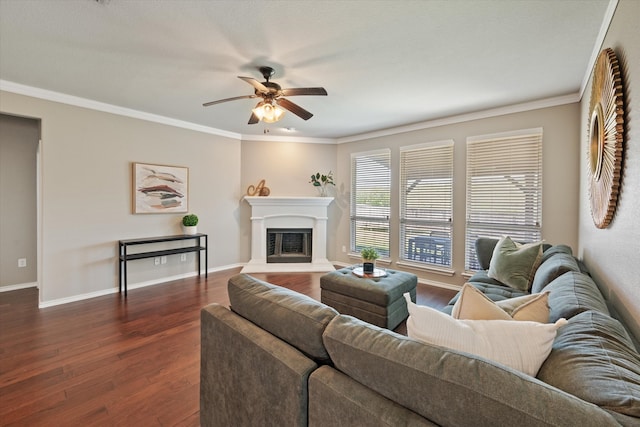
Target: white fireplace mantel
x=288, y=212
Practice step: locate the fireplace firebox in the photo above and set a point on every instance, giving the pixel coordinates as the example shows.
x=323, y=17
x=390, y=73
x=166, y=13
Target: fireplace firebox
x=289, y=245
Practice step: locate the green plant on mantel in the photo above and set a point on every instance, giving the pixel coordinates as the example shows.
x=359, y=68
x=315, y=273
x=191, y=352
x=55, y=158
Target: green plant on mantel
x=321, y=181
x=369, y=254
x=190, y=220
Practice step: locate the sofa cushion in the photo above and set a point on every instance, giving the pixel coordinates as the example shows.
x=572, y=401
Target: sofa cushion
x=474, y=305
x=520, y=345
x=552, y=267
x=449, y=387
x=594, y=358
x=491, y=291
x=515, y=264
x=548, y=251
x=573, y=293
x=294, y=318
x=482, y=276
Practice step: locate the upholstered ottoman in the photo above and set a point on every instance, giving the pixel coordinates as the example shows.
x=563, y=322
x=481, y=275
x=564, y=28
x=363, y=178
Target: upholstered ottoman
x=378, y=301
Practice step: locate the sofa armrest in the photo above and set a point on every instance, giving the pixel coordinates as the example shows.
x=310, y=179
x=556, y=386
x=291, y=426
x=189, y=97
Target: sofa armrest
x=248, y=377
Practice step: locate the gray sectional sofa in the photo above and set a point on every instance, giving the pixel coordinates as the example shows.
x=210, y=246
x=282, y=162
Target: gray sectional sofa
x=279, y=358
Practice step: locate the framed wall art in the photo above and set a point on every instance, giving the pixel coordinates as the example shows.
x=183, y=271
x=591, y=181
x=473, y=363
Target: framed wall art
x=160, y=189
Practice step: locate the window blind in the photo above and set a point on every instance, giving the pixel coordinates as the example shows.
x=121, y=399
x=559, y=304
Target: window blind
x=426, y=203
x=504, y=188
x=370, y=200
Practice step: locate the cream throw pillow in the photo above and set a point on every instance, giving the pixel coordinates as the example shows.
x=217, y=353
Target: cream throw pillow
x=523, y=346
x=515, y=264
x=472, y=304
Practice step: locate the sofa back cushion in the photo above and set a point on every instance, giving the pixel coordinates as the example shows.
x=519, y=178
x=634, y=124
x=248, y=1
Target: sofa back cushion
x=593, y=358
x=447, y=386
x=552, y=266
x=573, y=293
x=294, y=318
x=484, y=250
x=549, y=251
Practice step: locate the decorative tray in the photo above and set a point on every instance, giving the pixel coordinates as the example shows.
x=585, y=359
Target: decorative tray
x=358, y=271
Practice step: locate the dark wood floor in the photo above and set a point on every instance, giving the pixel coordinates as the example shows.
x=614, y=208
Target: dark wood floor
x=111, y=361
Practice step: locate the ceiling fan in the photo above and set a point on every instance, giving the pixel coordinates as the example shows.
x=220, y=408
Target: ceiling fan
x=268, y=110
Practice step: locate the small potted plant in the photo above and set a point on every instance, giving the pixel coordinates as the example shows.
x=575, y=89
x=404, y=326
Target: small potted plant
x=369, y=256
x=321, y=181
x=190, y=224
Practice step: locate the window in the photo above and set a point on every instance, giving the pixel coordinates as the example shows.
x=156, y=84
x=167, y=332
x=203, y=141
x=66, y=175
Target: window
x=370, y=200
x=504, y=188
x=426, y=203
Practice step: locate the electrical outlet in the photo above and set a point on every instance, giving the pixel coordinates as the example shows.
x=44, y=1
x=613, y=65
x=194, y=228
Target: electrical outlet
x=183, y=257
x=156, y=261
x=22, y=262
x=344, y=249
x=163, y=260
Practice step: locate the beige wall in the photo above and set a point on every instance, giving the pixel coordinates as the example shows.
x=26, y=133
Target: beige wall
x=86, y=194
x=19, y=138
x=561, y=161
x=613, y=254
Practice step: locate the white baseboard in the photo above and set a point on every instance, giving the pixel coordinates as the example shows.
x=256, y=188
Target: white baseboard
x=74, y=298
x=81, y=297
x=19, y=286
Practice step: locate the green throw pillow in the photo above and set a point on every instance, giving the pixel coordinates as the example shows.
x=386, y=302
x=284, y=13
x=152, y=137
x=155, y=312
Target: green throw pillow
x=515, y=264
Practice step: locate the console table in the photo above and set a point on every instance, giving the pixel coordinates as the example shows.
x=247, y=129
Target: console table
x=198, y=247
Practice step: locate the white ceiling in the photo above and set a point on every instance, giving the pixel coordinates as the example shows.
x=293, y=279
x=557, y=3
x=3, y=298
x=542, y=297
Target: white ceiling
x=384, y=63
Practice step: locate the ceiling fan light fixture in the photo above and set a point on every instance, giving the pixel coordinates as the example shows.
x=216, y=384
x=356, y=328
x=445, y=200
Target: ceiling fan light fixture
x=268, y=112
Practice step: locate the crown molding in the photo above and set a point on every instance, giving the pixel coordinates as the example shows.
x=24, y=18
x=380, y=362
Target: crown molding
x=284, y=138
x=483, y=114
x=9, y=86
x=76, y=101
x=606, y=22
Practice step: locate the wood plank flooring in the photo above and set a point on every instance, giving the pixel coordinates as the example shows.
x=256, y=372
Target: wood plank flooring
x=111, y=361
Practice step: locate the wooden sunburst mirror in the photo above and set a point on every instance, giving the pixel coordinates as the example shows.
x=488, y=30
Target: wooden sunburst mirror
x=606, y=129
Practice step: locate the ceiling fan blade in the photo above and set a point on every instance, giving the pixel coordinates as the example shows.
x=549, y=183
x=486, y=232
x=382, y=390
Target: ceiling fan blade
x=294, y=108
x=256, y=84
x=206, y=104
x=304, y=91
x=253, y=119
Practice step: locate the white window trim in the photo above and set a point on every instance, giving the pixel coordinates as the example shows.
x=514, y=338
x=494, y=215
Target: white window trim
x=496, y=137
x=423, y=265
x=363, y=154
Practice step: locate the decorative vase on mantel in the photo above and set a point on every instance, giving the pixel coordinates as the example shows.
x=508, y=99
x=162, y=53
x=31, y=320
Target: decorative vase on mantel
x=321, y=182
x=322, y=190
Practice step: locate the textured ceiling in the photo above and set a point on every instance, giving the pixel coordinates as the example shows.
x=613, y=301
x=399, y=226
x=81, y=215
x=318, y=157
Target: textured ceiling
x=384, y=63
